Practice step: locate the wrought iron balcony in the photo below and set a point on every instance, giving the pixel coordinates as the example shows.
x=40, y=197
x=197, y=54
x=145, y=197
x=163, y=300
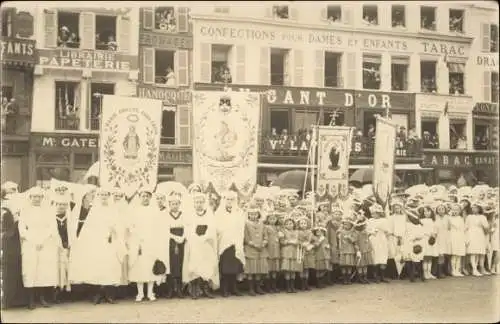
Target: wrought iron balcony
x=67, y=123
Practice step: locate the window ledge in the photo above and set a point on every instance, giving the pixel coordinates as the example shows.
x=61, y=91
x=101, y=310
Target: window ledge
x=161, y=85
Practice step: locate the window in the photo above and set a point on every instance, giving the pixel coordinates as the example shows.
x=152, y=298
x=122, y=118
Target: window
x=456, y=78
x=164, y=67
x=67, y=105
x=334, y=118
x=371, y=72
x=456, y=21
x=96, y=92
x=369, y=124
x=494, y=87
x=165, y=19
x=334, y=14
x=221, y=9
x=429, y=133
x=428, y=76
x=370, y=15
x=68, y=24
x=398, y=16
x=221, y=62
x=333, y=69
x=399, y=73
x=303, y=121
x=279, y=66
x=6, y=23
x=281, y=12
x=428, y=18
x=105, y=37
x=168, y=125
x=458, y=139
x=493, y=38
x=482, y=136
x=280, y=122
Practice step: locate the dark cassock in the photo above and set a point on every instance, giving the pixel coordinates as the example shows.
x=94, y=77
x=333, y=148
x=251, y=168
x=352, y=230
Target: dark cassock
x=62, y=214
x=230, y=234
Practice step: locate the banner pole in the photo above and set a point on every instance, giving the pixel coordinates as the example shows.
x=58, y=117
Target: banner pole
x=313, y=182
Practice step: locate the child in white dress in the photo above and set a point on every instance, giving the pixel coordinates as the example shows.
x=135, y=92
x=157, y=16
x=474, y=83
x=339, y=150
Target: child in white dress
x=430, y=247
x=457, y=239
x=476, y=227
x=442, y=239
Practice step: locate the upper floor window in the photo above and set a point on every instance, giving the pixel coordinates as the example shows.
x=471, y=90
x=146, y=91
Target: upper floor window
x=333, y=71
x=493, y=38
x=398, y=16
x=221, y=64
x=105, y=37
x=370, y=15
x=371, y=72
x=279, y=66
x=281, y=12
x=165, y=19
x=428, y=18
x=168, y=125
x=96, y=92
x=68, y=24
x=458, y=140
x=6, y=22
x=494, y=87
x=67, y=105
x=165, y=67
x=456, y=21
x=429, y=134
x=482, y=135
x=334, y=13
x=428, y=76
x=399, y=73
x=456, y=78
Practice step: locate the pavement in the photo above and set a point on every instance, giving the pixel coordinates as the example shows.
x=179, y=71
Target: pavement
x=458, y=300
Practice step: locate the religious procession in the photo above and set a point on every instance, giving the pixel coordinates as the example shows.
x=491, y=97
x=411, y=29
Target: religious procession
x=73, y=241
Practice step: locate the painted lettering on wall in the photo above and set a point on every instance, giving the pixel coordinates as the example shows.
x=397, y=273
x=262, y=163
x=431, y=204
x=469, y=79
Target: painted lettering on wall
x=463, y=160
x=18, y=49
x=66, y=142
x=442, y=48
x=487, y=61
x=170, y=97
x=88, y=59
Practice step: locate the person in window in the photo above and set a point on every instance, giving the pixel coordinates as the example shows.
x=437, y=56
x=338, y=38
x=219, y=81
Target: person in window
x=462, y=143
x=371, y=131
x=485, y=141
x=335, y=18
x=427, y=141
x=456, y=23
x=63, y=37
x=284, y=135
x=170, y=77
x=170, y=20
x=112, y=45
x=402, y=134
x=367, y=20
x=73, y=41
x=226, y=75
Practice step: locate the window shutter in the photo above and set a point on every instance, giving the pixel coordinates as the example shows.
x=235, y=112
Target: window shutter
x=148, y=65
x=265, y=65
x=50, y=28
x=487, y=86
x=148, y=18
x=347, y=16
x=240, y=64
x=124, y=34
x=298, y=58
x=319, y=70
x=324, y=13
x=182, y=20
x=485, y=36
x=287, y=68
x=184, y=122
x=340, y=80
x=181, y=68
x=87, y=30
x=205, y=61
x=293, y=13
x=351, y=70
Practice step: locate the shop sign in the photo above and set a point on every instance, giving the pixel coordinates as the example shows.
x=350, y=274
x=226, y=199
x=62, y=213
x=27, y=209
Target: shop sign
x=444, y=49
x=169, y=96
x=460, y=160
x=86, y=59
x=383, y=100
x=65, y=141
x=489, y=61
x=17, y=49
x=485, y=108
x=165, y=41
x=175, y=156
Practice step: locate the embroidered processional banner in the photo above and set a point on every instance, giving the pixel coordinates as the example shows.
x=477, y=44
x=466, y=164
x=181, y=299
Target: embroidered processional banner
x=129, y=143
x=225, y=143
x=334, y=148
x=383, y=160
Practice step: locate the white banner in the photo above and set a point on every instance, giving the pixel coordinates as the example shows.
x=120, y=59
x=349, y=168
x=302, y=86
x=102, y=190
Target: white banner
x=225, y=145
x=334, y=148
x=129, y=143
x=383, y=160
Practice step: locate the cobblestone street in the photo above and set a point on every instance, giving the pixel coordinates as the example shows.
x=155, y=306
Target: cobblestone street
x=451, y=300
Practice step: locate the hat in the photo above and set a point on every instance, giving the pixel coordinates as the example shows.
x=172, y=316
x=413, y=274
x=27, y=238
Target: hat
x=194, y=186
x=61, y=198
x=296, y=214
x=9, y=185
x=337, y=210
x=36, y=191
x=173, y=197
x=102, y=192
x=289, y=219
x=397, y=201
x=360, y=223
x=376, y=208
x=319, y=228
x=65, y=28
x=198, y=195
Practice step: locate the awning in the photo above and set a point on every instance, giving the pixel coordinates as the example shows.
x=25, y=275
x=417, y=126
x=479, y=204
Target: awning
x=456, y=67
x=406, y=166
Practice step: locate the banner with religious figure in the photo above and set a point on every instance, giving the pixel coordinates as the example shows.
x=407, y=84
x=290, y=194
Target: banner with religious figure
x=334, y=148
x=225, y=146
x=383, y=160
x=129, y=143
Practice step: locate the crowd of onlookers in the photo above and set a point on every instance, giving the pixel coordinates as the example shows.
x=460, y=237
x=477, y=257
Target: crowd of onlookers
x=222, y=74
x=165, y=19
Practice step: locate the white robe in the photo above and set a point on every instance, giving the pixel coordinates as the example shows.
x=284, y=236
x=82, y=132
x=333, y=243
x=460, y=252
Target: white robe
x=397, y=227
x=378, y=229
x=200, y=254
x=231, y=231
x=93, y=259
x=37, y=226
x=146, y=244
x=415, y=235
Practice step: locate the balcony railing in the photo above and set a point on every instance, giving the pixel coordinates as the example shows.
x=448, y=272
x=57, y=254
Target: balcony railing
x=95, y=123
x=16, y=125
x=67, y=123
x=298, y=145
x=167, y=140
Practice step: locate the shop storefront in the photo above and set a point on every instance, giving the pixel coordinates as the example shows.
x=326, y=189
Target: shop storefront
x=18, y=60
x=475, y=167
x=485, y=126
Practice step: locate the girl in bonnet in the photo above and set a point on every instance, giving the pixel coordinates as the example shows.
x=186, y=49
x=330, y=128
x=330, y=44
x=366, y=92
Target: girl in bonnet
x=476, y=227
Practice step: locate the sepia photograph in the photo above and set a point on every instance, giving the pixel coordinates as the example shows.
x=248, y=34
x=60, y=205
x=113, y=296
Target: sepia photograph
x=250, y=162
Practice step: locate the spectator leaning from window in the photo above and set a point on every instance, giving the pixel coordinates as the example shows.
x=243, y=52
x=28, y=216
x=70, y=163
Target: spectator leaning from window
x=226, y=75
x=112, y=45
x=462, y=143
x=64, y=36
x=170, y=77
x=371, y=131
